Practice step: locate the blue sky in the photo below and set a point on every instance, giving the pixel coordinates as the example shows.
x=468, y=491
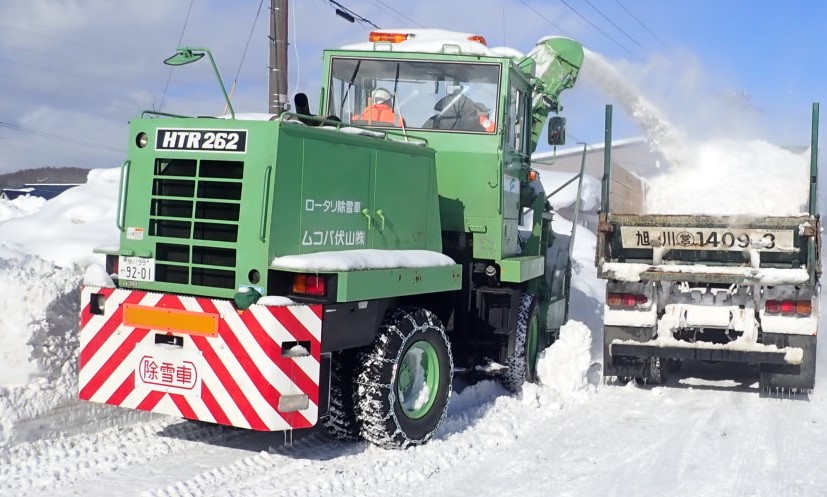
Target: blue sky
x=74, y=72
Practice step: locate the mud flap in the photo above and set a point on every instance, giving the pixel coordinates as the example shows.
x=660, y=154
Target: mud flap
x=790, y=376
x=627, y=366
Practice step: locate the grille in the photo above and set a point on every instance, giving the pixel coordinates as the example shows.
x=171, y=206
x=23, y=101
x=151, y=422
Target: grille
x=194, y=213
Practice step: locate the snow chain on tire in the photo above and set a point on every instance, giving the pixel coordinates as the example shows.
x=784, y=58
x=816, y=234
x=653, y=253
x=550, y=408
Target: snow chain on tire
x=382, y=418
x=519, y=370
x=341, y=420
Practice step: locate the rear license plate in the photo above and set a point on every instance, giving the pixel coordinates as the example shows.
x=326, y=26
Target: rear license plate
x=707, y=238
x=136, y=268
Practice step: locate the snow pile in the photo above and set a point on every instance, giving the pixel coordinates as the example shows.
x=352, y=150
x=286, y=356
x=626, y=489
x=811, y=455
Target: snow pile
x=19, y=207
x=714, y=176
x=69, y=226
x=564, y=367
x=362, y=259
x=733, y=177
x=38, y=338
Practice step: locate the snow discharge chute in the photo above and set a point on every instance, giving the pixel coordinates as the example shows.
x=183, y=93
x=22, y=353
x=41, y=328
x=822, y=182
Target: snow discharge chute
x=555, y=63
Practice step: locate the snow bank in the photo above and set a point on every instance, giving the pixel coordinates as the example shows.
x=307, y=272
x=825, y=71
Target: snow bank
x=38, y=338
x=66, y=228
x=355, y=260
x=19, y=207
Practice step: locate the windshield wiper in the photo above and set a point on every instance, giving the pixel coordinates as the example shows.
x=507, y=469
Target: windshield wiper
x=349, y=85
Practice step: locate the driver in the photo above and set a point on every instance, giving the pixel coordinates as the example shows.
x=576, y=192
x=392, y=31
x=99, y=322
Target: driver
x=379, y=110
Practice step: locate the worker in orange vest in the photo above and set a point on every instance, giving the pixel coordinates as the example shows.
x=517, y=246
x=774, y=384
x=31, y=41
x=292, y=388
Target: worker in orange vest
x=485, y=121
x=379, y=111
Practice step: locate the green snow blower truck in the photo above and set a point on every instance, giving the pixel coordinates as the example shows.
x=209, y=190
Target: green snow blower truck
x=276, y=272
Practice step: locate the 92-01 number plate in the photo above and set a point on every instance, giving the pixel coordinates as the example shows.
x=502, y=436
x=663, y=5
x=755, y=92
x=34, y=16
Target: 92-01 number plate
x=136, y=268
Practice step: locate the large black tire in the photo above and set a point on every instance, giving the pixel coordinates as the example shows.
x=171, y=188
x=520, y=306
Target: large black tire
x=522, y=361
x=410, y=356
x=341, y=420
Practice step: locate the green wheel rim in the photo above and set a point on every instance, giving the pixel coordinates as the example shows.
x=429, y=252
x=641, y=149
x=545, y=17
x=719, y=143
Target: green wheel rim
x=418, y=380
x=532, y=345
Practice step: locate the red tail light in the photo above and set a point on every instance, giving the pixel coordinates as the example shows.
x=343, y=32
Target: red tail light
x=789, y=307
x=309, y=284
x=626, y=300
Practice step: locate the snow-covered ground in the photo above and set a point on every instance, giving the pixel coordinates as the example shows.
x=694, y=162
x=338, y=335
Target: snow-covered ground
x=705, y=433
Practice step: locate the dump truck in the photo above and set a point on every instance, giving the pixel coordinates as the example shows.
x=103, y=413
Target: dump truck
x=279, y=272
x=719, y=289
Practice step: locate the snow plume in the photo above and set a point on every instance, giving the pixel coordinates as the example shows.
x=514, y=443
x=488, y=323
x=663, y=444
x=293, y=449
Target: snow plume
x=659, y=131
x=717, y=166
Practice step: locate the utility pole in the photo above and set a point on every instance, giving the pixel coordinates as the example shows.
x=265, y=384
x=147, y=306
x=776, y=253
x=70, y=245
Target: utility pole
x=278, y=57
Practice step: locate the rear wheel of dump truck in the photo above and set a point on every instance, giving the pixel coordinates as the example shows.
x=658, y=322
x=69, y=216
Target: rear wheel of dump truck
x=522, y=361
x=341, y=420
x=404, y=380
x=783, y=377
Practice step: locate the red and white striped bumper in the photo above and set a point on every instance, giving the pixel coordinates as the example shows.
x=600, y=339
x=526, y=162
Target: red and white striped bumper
x=237, y=368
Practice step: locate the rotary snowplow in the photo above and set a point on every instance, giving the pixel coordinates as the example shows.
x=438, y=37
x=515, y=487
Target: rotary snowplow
x=282, y=272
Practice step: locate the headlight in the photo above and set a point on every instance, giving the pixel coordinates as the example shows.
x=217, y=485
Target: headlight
x=141, y=140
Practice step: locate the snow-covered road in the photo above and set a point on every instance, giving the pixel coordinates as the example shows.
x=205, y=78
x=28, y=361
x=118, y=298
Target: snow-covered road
x=705, y=433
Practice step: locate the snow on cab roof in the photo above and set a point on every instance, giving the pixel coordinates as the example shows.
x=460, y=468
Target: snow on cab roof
x=430, y=41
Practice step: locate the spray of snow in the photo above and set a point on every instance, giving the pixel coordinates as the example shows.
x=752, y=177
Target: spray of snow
x=707, y=176
x=563, y=368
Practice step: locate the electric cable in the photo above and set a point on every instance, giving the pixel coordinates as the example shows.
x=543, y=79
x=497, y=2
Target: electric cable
x=553, y=24
x=180, y=39
x=60, y=138
x=627, y=35
x=665, y=45
x=243, y=56
x=353, y=15
x=400, y=14
x=584, y=18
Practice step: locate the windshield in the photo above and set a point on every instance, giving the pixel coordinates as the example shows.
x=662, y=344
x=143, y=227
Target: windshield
x=447, y=96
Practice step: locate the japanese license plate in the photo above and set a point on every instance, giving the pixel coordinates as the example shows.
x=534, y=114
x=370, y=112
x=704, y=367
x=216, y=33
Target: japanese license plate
x=733, y=239
x=136, y=268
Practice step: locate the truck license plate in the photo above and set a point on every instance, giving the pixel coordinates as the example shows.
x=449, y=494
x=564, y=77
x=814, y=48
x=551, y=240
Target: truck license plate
x=136, y=268
x=707, y=238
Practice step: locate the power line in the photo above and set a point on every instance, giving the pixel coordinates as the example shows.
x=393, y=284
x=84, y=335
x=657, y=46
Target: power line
x=349, y=14
x=581, y=16
x=244, y=53
x=180, y=39
x=554, y=24
x=59, y=138
x=627, y=35
x=400, y=14
x=665, y=45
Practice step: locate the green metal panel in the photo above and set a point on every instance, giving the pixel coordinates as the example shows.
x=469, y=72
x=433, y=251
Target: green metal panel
x=520, y=269
x=213, y=221
x=383, y=283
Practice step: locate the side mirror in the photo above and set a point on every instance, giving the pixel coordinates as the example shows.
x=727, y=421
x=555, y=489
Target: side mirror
x=557, y=130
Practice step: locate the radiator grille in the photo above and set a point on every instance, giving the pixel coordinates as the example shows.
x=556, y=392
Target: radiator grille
x=194, y=214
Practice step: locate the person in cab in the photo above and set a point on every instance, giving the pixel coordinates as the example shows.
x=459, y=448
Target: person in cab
x=379, y=111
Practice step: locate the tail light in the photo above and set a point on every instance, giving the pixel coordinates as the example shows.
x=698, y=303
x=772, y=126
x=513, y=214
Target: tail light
x=627, y=300
x=789, y=307
x=307, y=284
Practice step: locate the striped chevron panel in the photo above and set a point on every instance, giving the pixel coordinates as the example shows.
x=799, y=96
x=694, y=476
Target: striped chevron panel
x=251, y=370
